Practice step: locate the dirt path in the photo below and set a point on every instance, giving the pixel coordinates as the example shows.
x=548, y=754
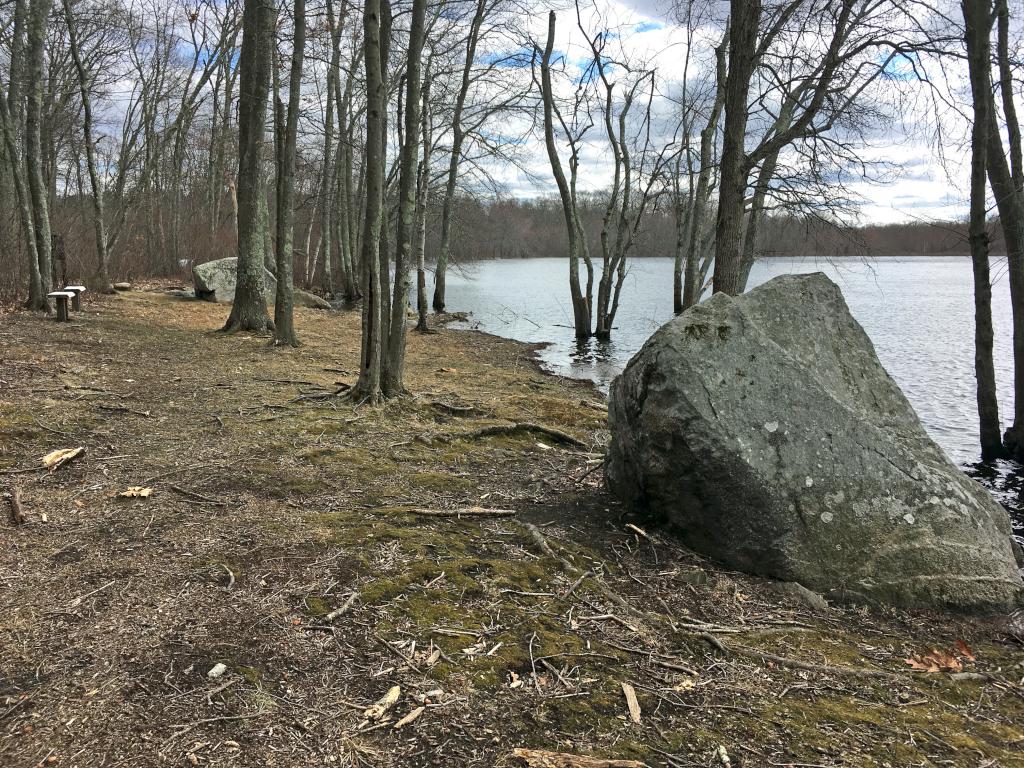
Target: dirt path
x=275, y=506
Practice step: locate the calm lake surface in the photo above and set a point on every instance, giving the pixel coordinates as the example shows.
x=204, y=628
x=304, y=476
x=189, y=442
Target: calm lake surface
x=919, y=313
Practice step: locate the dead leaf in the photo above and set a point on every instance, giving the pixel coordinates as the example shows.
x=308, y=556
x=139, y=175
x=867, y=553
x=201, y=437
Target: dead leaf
x=136, y=492
x=935, y=661
x=477, y=649
x=964, y=650
x=54, y=459
x=686, y=684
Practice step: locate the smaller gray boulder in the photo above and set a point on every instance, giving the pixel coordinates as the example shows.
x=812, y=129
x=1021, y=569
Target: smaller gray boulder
x=310, y=300
x=215, y=281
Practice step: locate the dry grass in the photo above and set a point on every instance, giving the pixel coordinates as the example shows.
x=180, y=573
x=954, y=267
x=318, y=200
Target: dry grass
x=270, y=511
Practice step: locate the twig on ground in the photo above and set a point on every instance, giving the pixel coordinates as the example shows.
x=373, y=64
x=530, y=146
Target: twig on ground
x=464, y=512
x=14, y=499
x=198, y=496
x=785, y=661
x=343, y=609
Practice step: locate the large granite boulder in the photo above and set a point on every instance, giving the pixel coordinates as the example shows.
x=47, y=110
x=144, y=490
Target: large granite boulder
x=215, y=281
x=766, y=430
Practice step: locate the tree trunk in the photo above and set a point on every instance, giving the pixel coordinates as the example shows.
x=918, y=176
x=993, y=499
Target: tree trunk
x=39, y=13
x=37, y=299
x=977, y=22
x=101, y=279
x=422, y=198
x=393, y=384
x=249, y=311
x=1005, y=179
x=284, y=325
x=574, y=230
x=732, y=188
x=694, y=279
x=444, y=249
x=368, y=385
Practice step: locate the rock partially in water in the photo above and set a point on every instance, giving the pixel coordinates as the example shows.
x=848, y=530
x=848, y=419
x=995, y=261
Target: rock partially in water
x=765, y=428
x=215, y=281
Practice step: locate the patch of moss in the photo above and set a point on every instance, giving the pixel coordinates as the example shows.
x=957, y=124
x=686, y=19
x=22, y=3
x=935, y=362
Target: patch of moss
x=252, y=675
x=316, y=606
x=439, y=482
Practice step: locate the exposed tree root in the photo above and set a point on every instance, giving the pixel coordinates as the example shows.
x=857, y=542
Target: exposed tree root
x=525, y=426
x=785, y=661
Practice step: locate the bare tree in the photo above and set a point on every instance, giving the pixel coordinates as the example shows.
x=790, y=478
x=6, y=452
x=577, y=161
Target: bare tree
x=1006, y=177
x=577, y=240
x=744, y=21
x=393, y=384
x=287, y=130
x=38, y=14
x=368, y=385
x=816, y=61
x=12, y=118
x=101, y=279
x=637, y=167
x=978, y=26
x=422, y=197
x=249, y=310
x=455, y=156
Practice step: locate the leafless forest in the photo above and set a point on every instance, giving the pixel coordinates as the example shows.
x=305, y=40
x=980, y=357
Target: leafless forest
x=339, y=145
x=282, y=531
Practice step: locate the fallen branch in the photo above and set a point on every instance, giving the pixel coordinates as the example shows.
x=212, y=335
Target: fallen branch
x=455, y=410
x=122, y=409
x=197, y=496
x=341, y=390
x=464, y=512
x=14, y=499
x=288, y=381
x=541, y=758
x=504, y=430
x=343, y=609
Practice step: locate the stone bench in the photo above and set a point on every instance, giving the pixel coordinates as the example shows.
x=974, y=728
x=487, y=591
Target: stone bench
x=76, y=301
x=62, y=298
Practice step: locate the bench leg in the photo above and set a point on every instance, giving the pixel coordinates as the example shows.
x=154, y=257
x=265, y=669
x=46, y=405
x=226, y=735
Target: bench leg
x=76, y=303
x=62, y=310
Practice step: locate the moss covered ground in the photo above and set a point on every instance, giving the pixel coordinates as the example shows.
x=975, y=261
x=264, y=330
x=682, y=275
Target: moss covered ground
x=283, y=540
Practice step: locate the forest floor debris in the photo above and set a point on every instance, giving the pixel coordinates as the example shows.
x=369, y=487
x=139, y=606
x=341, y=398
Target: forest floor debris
x=285, y=540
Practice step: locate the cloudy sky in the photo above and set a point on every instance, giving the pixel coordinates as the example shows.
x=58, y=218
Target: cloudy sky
x=923, y=179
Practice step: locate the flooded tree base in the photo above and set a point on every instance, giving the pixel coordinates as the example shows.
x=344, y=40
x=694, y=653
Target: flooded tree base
x=295, y=539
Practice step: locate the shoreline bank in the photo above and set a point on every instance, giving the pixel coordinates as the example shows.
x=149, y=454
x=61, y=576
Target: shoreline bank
x=275, y=506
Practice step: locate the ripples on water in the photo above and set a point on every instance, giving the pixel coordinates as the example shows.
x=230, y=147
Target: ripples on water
x=919, y=313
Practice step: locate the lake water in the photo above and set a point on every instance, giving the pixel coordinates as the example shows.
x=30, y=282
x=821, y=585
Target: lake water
x=919, y=312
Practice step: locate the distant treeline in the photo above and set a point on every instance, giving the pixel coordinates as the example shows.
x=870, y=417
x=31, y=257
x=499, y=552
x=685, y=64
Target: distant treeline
x=516, y=229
